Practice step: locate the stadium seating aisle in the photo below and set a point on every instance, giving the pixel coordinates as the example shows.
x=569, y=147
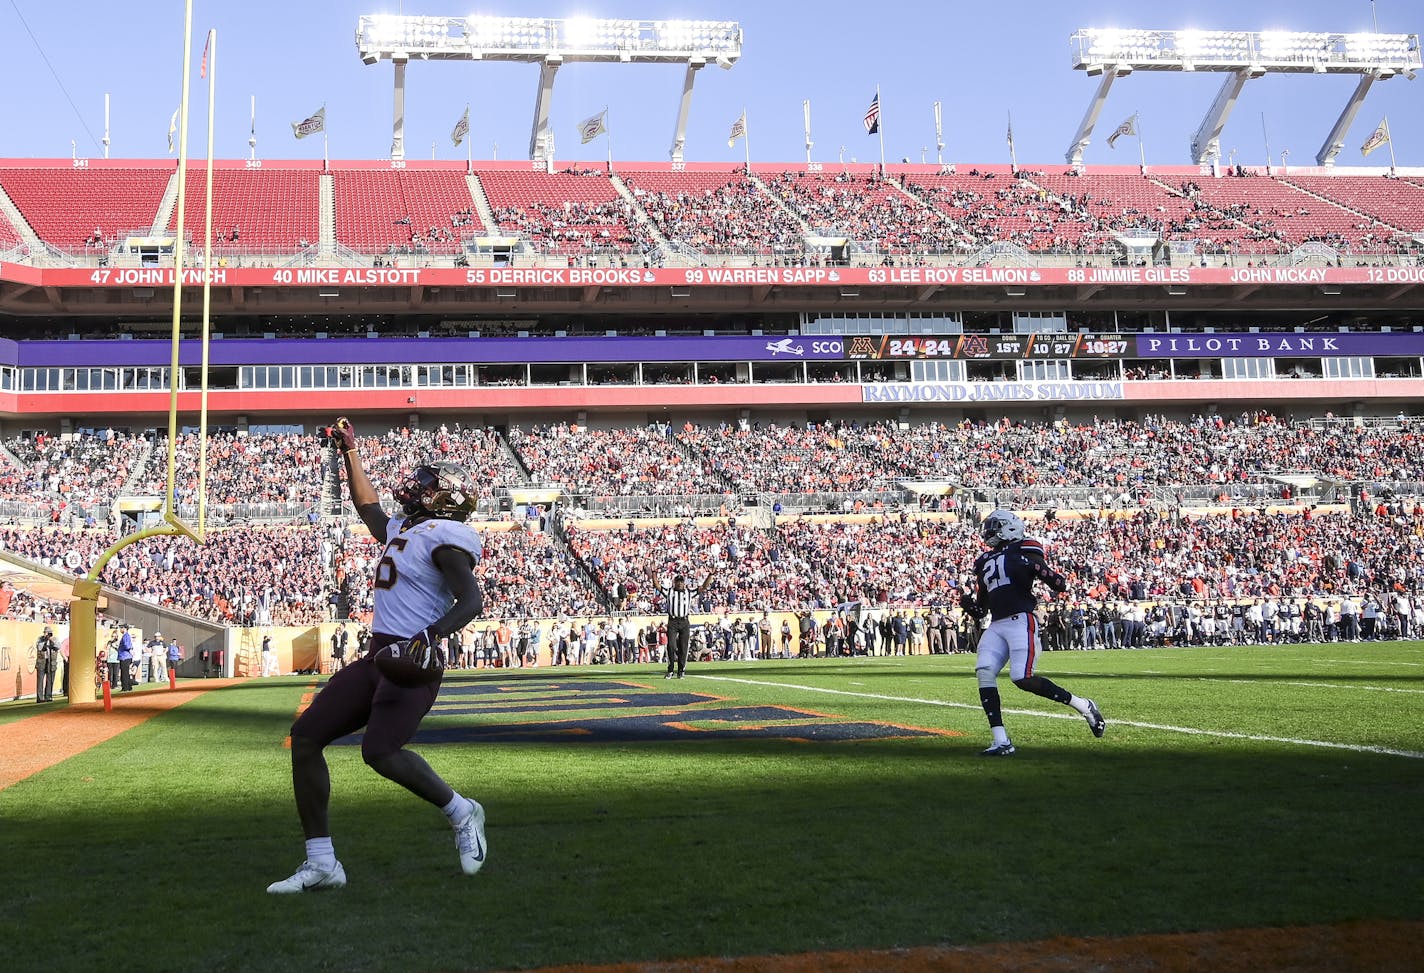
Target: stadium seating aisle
x=865, y=208
x=988, y=207
x=570, y=213
x=1283, y=217
x=9, y=237
x=715, y=212
x=1395, y=202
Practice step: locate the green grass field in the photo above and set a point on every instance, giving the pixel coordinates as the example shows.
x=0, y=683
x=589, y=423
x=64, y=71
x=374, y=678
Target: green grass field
x=1236, y=787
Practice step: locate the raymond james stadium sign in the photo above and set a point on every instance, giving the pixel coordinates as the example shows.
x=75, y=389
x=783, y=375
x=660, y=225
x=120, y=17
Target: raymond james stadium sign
x=993, y=392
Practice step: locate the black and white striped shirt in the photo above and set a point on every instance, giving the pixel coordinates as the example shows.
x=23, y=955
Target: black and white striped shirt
x=679, y=601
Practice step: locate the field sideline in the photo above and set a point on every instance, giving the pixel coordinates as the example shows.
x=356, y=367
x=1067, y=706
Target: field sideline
x=750, y=810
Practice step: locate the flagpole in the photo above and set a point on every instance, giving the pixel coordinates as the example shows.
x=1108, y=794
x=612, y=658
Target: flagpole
x=880, y=129
x=325, y=155
x=1013, y=156
x=211, y=61
x=1141, y=152
x=1389, y=140
x=469, y=145
x=1267, y=137
x=608, y=139
x=252, y=132
x=939, y=133
x=806, y=116
x=747, y=139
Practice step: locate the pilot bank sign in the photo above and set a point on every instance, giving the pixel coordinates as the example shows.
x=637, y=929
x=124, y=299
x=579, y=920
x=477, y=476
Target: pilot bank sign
x=993, y=392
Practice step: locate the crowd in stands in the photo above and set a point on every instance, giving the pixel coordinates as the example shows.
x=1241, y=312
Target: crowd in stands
x=736, y=217
x=240, y=575
x=990, y=210
x=302, y=575
x=576, y=226
x=613, y=462
x=1107, y=454
x=865, y=208
x=251, y=470
x=75, y=473
x=79, y=477
x=299, y=573
x=794, y=459
x=1214, y=561
x=479, y=449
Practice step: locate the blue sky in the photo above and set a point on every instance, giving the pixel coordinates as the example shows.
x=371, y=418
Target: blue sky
x=980, y=60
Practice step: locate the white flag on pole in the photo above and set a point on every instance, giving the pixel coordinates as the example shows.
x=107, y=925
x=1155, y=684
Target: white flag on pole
x=593, y=126
x=462, y=127
x=172, y=129
x=1380, y=137
x=739, y=130
x=311, y=124
x=1126, y=128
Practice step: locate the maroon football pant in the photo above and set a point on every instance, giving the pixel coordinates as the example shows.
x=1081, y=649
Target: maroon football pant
x=360, y=696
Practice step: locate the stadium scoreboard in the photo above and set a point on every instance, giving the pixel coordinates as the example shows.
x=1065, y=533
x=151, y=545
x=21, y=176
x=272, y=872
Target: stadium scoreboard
x=978, y=347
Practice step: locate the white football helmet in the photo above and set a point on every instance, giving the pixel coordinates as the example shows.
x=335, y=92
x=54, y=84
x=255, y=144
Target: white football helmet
x=1000, y=527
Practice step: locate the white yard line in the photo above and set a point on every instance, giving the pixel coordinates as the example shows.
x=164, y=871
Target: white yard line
x=1193, y=731
x=1323, y=685
x=1072, y=674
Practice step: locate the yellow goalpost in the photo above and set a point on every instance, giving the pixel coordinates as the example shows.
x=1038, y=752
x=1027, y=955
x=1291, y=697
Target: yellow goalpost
x=83, y=609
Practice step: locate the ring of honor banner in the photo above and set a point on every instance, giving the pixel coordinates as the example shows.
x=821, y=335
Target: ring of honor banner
x=697, y=278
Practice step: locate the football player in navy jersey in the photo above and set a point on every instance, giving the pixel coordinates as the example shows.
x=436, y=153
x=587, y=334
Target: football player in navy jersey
x=1005, y=575
x=425, y=588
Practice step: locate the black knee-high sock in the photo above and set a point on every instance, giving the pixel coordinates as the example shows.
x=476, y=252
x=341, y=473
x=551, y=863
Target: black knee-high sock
x=1040, y=686
x=989, y=699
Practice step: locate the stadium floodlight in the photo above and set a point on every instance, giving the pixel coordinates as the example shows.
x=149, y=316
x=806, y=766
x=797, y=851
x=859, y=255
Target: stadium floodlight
x=549, y=43
x=1111, y=53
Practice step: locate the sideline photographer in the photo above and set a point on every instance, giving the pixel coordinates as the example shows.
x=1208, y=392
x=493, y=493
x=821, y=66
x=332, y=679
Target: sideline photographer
x=46, y=661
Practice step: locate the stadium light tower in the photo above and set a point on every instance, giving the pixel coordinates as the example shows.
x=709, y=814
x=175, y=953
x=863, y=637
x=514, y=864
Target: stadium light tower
x=549, y=44
x=1241, y=55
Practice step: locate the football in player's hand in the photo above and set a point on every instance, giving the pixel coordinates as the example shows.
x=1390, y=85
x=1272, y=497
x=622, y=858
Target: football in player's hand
x=340, y=434
x=416, y=661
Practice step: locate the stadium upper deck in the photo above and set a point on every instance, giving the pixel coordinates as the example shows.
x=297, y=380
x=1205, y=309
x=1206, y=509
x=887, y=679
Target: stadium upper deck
x=79, y=210
x=712, y=267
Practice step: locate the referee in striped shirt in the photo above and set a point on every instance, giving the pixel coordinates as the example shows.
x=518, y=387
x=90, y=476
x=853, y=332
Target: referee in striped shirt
x=679, y=625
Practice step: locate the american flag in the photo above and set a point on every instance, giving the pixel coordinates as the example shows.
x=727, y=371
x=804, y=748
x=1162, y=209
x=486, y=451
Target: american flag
x=872, y=116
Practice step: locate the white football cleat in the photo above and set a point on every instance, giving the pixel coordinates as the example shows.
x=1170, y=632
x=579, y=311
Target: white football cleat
x=1096, y=723
x=310, y=877
x=470, y=840
x=1005, y=749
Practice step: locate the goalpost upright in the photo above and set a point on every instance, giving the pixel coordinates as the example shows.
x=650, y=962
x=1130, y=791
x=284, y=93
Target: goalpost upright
x=83, y=611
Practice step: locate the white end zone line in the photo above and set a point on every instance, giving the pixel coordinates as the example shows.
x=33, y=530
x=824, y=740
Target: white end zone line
x=1189, y=730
